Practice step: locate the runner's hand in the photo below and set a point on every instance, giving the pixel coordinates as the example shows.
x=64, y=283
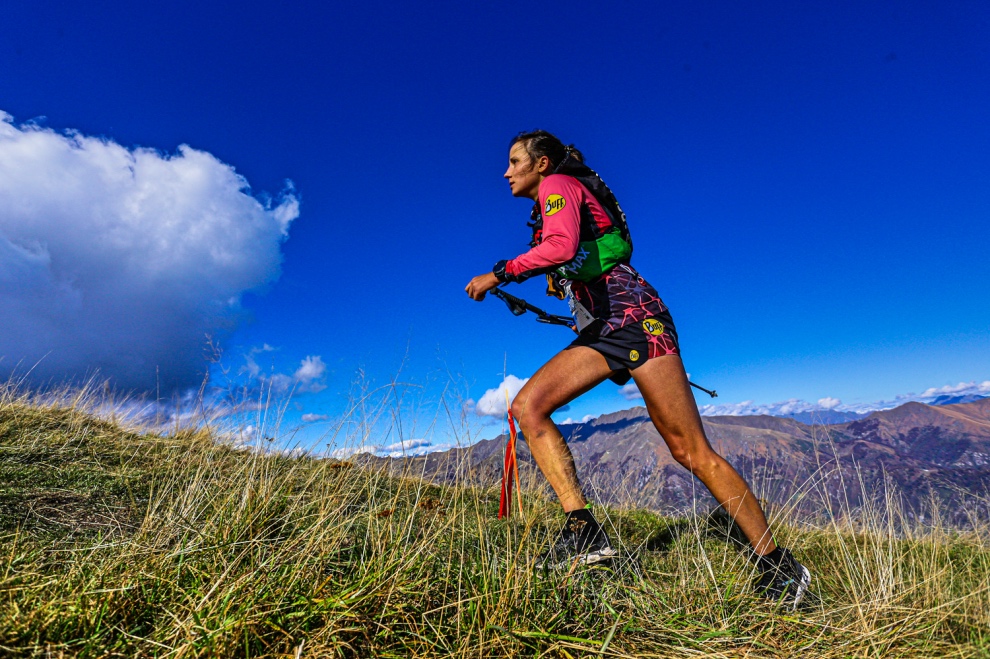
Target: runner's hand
x=480, y=285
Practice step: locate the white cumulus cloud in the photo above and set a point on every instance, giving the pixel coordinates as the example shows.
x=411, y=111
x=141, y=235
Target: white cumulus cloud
x=346, y=452
x=630, y=391
x=961, y=389
x=313, y=418
x=405, y=449
x=123, y=259
x=585, y=419
x=408, y=447
x=797, y=406
x=309, y=375
x=749, y=408
x=492, y=403
x=308, y=378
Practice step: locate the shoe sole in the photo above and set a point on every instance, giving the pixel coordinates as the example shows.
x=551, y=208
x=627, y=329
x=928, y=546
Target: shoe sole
x=802, y=587
x=600, y=556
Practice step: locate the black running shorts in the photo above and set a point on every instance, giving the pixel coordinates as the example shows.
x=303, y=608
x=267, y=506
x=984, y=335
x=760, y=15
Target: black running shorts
x=633, y=345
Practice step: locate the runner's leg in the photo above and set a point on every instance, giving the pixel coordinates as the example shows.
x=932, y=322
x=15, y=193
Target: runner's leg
x=569, y=374
x=672, y=408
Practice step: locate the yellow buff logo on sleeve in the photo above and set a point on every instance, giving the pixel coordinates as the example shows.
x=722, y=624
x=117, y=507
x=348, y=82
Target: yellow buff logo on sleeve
x=554, y=203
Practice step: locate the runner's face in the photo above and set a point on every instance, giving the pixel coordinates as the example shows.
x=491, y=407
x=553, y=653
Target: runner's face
x=523, y=174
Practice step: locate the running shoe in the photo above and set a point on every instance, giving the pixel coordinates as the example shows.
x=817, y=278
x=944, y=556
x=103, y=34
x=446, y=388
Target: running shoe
x=582, y=541
x=784, y=580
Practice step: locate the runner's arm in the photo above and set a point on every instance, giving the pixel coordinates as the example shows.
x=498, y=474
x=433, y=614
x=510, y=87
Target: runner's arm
x=561, y=234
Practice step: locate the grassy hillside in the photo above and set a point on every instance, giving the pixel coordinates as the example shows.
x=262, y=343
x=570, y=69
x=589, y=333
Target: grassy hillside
x=118, y=542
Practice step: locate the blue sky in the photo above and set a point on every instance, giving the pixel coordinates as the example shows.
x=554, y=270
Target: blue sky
x=808, y=185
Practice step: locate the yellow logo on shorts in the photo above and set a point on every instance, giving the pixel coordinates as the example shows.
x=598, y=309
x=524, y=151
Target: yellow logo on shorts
x=554, y=203
x=653, y=326
x=634, y=355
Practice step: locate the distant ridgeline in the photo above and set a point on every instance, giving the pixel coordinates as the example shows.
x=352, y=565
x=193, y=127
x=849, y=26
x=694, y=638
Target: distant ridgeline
x=926, y=453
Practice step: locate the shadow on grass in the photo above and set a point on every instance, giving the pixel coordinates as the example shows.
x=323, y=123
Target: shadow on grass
x=717, y=525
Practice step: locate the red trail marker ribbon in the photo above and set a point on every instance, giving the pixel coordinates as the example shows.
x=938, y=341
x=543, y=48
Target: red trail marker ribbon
x=510, y=469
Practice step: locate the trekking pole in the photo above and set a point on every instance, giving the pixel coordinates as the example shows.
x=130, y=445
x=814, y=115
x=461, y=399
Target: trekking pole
x=711, y=392
x=519, y=306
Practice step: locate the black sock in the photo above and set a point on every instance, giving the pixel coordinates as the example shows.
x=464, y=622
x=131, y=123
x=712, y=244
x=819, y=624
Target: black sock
x=584, y=524
x=582, y=514
x=771, y=559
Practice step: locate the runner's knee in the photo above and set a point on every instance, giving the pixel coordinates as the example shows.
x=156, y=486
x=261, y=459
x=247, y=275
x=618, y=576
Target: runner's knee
x=520, y=411
x=524, y=415
x=531, y=418
x=696, y=459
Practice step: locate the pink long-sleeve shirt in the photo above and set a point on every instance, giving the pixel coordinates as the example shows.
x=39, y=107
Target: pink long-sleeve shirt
x=562, y=200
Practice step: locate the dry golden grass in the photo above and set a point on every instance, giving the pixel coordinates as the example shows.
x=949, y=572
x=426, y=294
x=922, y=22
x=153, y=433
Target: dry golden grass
x=118, y=541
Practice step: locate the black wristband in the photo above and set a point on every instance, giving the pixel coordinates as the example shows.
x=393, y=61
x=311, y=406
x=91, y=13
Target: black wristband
x=499, y=271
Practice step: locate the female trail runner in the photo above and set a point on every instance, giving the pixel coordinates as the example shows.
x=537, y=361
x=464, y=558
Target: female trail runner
x=581, y=242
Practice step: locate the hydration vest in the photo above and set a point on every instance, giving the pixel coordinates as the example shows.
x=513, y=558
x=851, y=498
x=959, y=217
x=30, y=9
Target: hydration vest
x=598, y=250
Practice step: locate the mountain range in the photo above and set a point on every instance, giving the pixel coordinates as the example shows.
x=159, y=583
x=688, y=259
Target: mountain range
x=930, y=459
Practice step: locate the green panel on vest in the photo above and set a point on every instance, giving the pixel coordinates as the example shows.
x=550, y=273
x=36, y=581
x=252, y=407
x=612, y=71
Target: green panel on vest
x=595, y=257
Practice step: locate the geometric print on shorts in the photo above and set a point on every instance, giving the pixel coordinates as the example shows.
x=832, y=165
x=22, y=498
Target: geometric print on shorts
x=664, y=343
x=619, y=298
